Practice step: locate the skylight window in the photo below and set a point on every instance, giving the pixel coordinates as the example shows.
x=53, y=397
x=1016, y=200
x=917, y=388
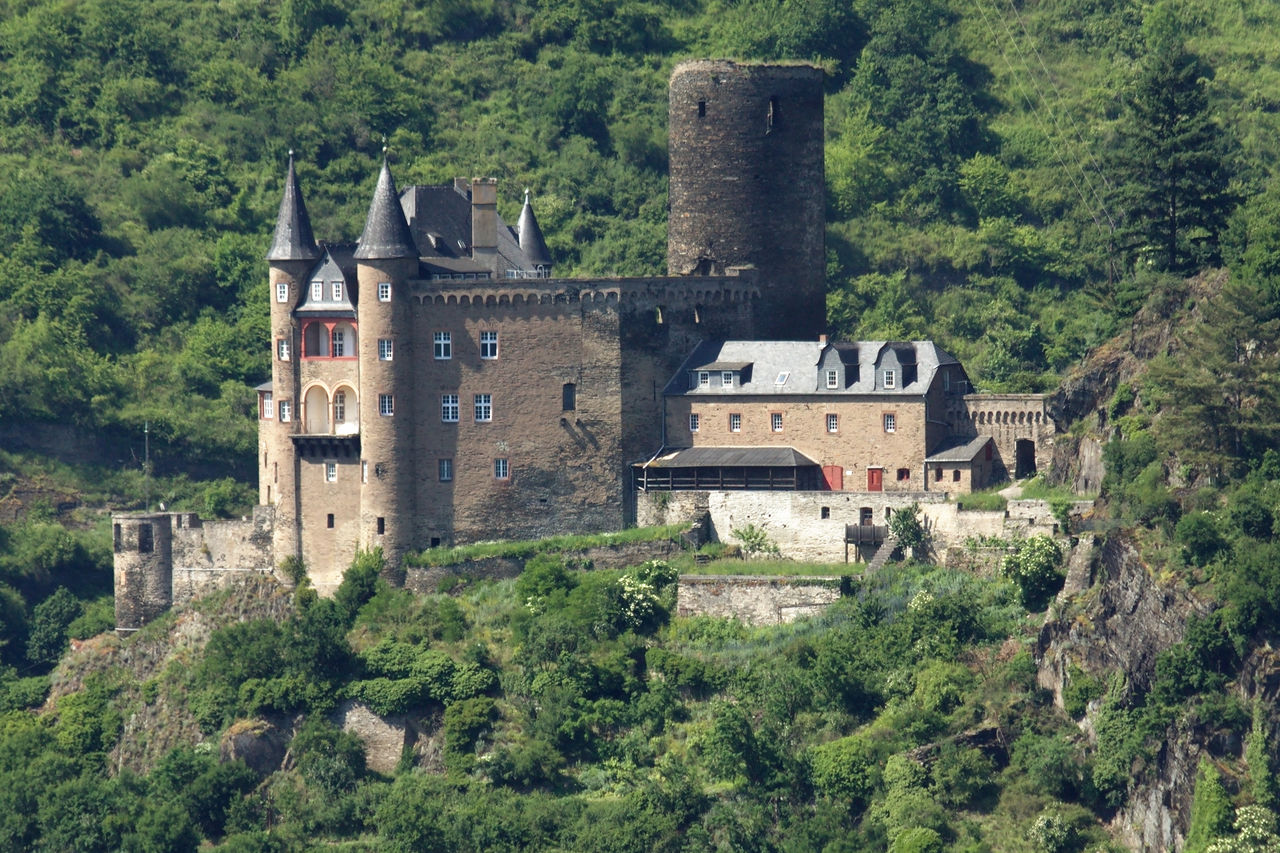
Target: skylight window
x=782, y=378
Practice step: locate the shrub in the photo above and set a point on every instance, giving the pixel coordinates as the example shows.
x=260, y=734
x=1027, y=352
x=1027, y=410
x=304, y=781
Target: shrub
x=755, y=541
x=906, y=527
x=1199, y=537
x=1080, y=689
x=1033, y=567
x=844, y=769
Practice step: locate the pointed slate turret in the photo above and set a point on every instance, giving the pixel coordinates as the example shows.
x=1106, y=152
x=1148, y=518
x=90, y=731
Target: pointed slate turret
x=386, y=234
x=293, y=240
x=531, y=242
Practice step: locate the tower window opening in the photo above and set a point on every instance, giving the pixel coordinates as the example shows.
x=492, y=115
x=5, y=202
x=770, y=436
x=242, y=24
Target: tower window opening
x=771, y=120
x=569, y=397
x=702, y=109
x=146, y=544
x=328, y=522
x=382, y=525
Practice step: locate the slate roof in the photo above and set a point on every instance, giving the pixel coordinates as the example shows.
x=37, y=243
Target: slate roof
x=530, y=236
x=386, y=234
x=440, y=220
x=799, y=360
x=293, y=240
x=962, y=450
x=731, y=457
x=338, y=264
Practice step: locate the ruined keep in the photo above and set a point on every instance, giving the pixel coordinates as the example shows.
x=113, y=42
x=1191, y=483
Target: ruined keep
x=747, y=185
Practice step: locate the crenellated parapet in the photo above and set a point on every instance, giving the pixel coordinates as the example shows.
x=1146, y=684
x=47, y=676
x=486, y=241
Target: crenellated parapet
x=739, y=287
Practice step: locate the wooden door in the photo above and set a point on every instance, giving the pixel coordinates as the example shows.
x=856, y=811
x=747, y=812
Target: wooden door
x=834, y=475
x=875, y=479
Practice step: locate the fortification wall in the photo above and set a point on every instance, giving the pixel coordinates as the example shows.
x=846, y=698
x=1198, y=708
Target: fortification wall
x=1010, y=419
x=755, y=600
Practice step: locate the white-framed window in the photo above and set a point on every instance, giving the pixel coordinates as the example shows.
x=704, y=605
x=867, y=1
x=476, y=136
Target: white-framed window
x=488, y=344
x=449, y=408
x=331, y=472
x=384, y=349
x=444, y=467
x=282, y=292
x=726, y=378
x=484, y=408
x=386, y=405
x=693, y=422
x=775, y=421
x=704, y=378
x=501, y=471
x=890, y=422
x=833, y=379
x=335, y=287
x=340, y=407
x=384, y=291
x=268, y=408
x=833, y=423
x=364, y=470
x=282, y=349
x=317, y=291
x=443, y=345
x=286, y=411
x=890, y=379
x=782, y=378
x=735, y=422
x=338, y=343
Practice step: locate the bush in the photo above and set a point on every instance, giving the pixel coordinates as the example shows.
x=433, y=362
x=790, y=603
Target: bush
x=1033, y=567
x=1199, y=537
x=906, y=527
x=755, y=541
x=844, y=770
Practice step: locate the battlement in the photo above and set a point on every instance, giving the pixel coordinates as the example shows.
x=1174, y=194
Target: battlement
x=737, y=285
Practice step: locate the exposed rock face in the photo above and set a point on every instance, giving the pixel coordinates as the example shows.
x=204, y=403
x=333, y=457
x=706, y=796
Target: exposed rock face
x=1123, y=622
x=258, y=743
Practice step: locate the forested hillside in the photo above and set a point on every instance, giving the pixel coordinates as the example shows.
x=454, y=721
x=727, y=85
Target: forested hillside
x=1026, y=183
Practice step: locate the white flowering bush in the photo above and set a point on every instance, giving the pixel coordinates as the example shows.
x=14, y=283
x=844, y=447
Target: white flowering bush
x=638, y=600
x=1033, y=566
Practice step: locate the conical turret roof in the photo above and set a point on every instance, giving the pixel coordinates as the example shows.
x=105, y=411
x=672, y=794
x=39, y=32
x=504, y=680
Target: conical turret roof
x=386, y=234
x=531, y=241
x=293, y=239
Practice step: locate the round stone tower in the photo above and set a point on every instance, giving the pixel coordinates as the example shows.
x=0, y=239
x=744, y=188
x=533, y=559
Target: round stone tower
x=386, y=261
x=747, y=185
x=142, y=545
x=292, y=254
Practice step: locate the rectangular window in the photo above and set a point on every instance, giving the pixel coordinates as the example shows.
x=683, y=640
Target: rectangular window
x=384, y=349
x=338, y=343
x=286, y=411
x=937, y=474
x=382, y=525
x=704, y=379
x=833, y=379
x=782, y=378
x=955, y=475
x=445, y=468
x=386, y=405
x=890, y=422
x=443, y=346
x=484, y=408
x=833, y=423
x=726, y=378
x=317, y=291
x=268, y=408
x=693, y=423
x=890, y=379
x=336, y=289
x=904, y=474
x=282, y=349
x=775, y=421
x=282, y=292
x=735, y=422
x=569, y=397
x=340, y=407
x=449, y=408
x=328, y=522
x=364, y=471
x=488, y=344
x=500, y=469
x=331, y=472
x=384, y=291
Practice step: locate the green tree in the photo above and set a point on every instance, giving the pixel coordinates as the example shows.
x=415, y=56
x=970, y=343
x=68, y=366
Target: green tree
x=1174, y=190
x=1211, y=811
x=49, y=623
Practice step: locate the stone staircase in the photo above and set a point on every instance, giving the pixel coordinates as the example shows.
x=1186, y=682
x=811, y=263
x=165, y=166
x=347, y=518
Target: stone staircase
x=882, y=555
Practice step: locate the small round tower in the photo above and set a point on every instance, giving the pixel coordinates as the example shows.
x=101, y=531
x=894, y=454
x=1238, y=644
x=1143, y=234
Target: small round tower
x=142, y=545
x=386, y=261
x=747, y=185
x=292, y=254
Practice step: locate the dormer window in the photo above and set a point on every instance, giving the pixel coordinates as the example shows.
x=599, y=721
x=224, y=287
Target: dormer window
x=890, y=379
x=337, y=291
x=726, y=378
x=833, y=379
x=317, y=291
x=704, y=379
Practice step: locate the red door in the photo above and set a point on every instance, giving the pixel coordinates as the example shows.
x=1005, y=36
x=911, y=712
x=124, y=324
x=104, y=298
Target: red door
x=834, y=475
x=875, y=479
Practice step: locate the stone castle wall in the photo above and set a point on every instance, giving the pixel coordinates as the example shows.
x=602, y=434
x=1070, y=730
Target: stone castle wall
x=755, y=600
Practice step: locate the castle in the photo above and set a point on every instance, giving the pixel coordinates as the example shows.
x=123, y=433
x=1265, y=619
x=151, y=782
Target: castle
x=434, y=383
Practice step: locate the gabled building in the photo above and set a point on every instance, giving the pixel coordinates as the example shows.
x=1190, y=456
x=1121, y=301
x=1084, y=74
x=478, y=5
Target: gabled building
x=812, y=415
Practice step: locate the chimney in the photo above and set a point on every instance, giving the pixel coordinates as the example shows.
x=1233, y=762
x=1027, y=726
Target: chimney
x=484, y=223
x=822, y=339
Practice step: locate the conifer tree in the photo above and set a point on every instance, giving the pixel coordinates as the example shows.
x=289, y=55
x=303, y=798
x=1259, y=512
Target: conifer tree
x=1174, y=189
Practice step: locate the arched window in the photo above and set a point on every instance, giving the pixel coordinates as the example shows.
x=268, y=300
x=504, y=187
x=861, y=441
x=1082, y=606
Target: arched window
x=346, y=411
